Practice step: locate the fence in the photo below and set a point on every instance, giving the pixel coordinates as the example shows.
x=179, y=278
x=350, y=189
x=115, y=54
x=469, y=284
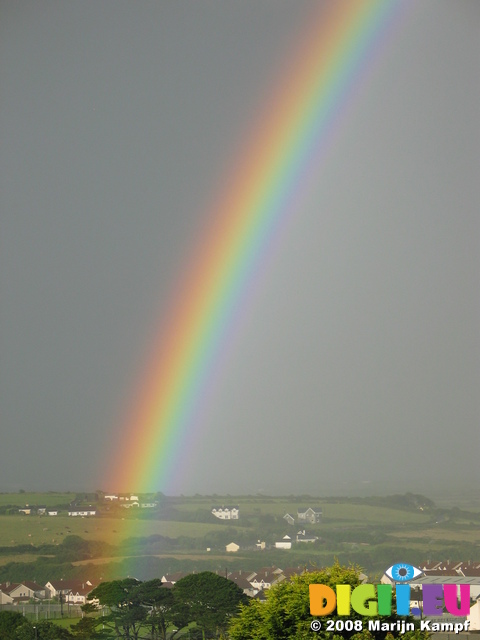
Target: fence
x=45, y=611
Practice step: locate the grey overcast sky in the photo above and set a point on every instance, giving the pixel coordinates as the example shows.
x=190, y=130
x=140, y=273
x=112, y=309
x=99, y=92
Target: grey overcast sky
x=357, y=368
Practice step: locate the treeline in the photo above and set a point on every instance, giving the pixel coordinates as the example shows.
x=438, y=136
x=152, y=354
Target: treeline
x=72, y=549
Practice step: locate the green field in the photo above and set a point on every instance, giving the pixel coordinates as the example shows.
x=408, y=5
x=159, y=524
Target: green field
x=36, y=530
x=369, y=532
x=49, y=499
x=348, y=512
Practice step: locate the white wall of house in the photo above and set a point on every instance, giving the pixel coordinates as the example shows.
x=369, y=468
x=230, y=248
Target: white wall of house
x=283, y=545
x=82, y=513
x=75, y=598
x=22, y=591
x=5, y=598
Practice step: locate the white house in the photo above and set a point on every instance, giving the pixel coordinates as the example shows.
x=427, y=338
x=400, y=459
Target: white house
x=285, y=543
x=226, y=513
x=13, y=592
x=232, y=547
x=307, y=514
x=82, y=511
x=172, y=578
x=79, y=594
x=266, y=577
x=72, y=591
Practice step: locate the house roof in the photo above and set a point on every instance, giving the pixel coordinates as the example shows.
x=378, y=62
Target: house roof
x=272, y=569
x=240, y=581
x=444, y=579
x=471, y=572
x=174, y=577
x=33, y=585
x=82, y=590
x=167, y=584
x=7, y=587
x=19, y=599
x=240, y=574
x=449, y=566
x=223, y=508
x=438, y=572
x=288, y=572
x=268, y=576
x=72, y=585
x=429, y=565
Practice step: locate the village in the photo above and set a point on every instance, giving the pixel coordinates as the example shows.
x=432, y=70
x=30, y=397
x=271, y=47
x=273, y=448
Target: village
x=61, y=597
x=255, y=542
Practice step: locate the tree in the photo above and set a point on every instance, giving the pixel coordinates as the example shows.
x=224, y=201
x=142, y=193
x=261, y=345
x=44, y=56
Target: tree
x=136, y=610
x=86, y=628
x=126, y=615
x=46, y=630
x=208, y=600
x=147, y=610
x=9, y=622
x=13, y=626
x=286, y=613
x=159, y=601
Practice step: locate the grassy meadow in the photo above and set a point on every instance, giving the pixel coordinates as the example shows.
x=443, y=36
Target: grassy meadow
x=183, y=534
x=37, y=530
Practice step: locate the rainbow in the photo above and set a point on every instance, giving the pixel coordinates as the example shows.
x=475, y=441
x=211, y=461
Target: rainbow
x=274, y=170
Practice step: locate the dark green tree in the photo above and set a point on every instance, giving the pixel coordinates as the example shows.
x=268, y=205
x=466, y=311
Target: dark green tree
x=9, y=622
x=13, y=626
x=126, y=616
x=88, y=628
x=136, y=610
x=208, y=600
x=159, y=601
x=47, y=630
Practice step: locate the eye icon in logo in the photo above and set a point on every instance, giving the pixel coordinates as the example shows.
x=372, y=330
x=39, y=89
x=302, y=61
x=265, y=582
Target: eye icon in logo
x=402, y=572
